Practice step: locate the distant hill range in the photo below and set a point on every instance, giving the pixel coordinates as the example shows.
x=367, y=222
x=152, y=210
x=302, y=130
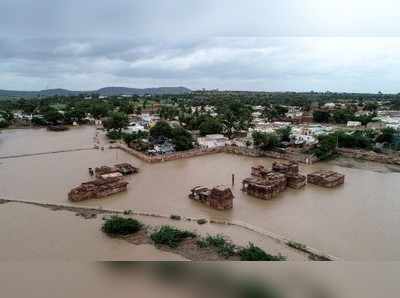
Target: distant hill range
x=108, y=91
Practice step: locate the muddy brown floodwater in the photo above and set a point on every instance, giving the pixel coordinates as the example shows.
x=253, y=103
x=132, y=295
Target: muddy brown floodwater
x=357, y=221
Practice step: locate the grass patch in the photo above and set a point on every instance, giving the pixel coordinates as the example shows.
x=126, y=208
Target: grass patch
x=224, y=248
x=170, y=236
x=254, y=253
x=117, y=225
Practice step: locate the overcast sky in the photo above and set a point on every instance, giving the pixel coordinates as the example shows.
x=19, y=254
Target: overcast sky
x=297, y=45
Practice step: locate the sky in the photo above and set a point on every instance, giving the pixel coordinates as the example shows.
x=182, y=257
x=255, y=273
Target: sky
x=262, y=45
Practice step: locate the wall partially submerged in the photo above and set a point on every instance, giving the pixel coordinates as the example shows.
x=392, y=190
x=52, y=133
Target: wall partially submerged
x=370, y=156
x=291, y=156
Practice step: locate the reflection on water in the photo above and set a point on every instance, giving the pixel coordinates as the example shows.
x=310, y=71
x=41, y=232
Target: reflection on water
x=357, y=221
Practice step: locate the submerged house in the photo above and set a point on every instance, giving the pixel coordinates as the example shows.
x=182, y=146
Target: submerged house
x=326, y=178
x=260, y=188
x=219, y=197
x=96, y=189
x=291, y=171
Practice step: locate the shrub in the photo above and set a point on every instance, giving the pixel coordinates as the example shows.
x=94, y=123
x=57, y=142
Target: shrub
x=175, y=217
x=121, y=226
x=254, y=253
x=170, y=236
x=202, y=221
x=224, y=248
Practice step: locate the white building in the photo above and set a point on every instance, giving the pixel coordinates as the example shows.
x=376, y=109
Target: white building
x=134, y=127
x=329, y=105
x=212, y=141
x=354, y=123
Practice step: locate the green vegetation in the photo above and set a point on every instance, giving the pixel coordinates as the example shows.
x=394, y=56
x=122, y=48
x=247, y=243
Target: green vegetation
x=235, y=116
x=326, y=148
x=180, y=137
x=321, y=116
x=223, y=247
x=116, y=121
x=114, y=135
x=284, y=133
x=210, y=126
x=254, y=253
x=161, y=129
x=265, y=141
x=170, y=236
x=134, y=136
x=117, y=225
x=386, y=136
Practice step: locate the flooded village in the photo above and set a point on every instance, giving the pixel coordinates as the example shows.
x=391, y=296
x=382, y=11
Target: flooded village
x=283, y=201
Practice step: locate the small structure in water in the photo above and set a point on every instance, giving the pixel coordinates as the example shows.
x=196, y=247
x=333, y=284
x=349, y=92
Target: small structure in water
x=96, y=189
x=326, y=178
x=291, y=171
x=124, y=169
x=220, y=197
x=278, y=179
x=260, y=188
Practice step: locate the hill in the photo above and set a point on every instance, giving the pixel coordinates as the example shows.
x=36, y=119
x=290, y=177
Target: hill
x=107, y=91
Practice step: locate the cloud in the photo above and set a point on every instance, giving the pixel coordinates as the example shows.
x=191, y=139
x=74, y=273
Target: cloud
x=256, y=45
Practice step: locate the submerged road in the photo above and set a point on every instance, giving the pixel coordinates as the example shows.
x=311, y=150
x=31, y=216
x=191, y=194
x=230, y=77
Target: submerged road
x=46, y=153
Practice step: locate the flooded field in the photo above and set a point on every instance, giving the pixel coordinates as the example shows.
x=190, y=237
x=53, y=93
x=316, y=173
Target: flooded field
x=358, y=221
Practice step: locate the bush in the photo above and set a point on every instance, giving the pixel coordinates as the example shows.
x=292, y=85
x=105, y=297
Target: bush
x=254, y=253
x=170, y=236
x=224, y=248
x=121, y=226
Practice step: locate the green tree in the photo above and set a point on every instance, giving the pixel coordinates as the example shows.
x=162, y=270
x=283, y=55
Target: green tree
x=386, y=136
x=326, y=148
x=342, y=116
x=182, y=139
x=210, y=126
x=284, y=133
x=100, y=110
x=265, y=141
x=116, y=121
x=321, y=116
x=53, y=116
x=161, y=129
